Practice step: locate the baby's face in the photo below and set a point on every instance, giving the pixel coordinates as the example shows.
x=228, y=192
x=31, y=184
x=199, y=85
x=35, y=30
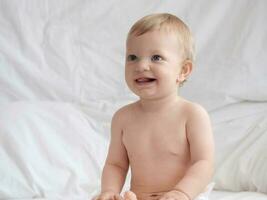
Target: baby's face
x=153, y=63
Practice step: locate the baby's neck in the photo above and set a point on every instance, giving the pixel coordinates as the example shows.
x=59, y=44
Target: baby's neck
x=161, y=104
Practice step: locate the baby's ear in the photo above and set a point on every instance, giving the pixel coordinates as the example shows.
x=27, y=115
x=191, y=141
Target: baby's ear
x=186, y=70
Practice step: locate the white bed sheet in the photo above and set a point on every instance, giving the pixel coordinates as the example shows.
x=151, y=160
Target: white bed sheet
x=215, y=195
x=61, y=75
x=224, y=195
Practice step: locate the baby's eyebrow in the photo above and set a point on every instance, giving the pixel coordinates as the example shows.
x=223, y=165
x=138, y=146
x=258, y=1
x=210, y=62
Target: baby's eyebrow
x=150, y=52
x=157, y=52
x=130, y=52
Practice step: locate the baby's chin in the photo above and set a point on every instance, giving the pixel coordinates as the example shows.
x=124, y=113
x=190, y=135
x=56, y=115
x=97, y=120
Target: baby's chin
x=146, y=96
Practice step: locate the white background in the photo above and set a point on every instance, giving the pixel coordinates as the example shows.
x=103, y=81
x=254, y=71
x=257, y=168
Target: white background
x=62, y=76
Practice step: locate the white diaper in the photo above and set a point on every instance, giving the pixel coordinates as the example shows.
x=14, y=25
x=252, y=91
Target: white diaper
x=205, y=195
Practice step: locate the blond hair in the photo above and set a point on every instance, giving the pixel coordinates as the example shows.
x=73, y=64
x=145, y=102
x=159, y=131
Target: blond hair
x=167, y=22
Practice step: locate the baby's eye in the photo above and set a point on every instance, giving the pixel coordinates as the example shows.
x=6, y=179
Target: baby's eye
x=156, y=58
x=131, y=57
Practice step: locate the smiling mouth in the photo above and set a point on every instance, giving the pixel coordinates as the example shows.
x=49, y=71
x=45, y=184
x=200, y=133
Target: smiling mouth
x=145, y=80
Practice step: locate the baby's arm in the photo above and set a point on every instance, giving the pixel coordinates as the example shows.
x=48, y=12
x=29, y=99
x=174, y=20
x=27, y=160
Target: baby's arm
x=200, y=138
x=117, y=163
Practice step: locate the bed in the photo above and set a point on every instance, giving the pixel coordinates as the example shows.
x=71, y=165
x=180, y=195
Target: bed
x=62, y=79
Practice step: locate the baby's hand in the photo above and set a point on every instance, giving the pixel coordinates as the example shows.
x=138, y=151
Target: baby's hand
x=129, y=195
x=113, y=196
x=174, y=195
x=108, y=196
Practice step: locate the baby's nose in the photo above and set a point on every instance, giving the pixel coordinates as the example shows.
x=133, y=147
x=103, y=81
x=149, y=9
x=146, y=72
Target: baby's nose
x=142, y=65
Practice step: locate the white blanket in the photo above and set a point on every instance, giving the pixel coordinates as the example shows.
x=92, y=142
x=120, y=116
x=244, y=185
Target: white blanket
x=62, y=78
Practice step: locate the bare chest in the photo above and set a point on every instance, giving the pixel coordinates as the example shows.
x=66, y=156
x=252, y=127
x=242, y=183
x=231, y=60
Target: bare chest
x=156, y=139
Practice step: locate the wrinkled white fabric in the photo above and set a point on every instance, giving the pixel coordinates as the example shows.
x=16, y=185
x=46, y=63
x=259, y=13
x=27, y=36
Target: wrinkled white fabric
x=62, y=79
x=49, y=149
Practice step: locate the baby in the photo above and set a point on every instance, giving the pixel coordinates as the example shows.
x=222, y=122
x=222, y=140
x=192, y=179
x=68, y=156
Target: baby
x=165, y=139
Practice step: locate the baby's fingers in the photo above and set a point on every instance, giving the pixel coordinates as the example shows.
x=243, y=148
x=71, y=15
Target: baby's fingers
x=94, y=197
x=167, y=198
x=129, y=195
x=105, y=197
x=162, y=198
x=118, y=197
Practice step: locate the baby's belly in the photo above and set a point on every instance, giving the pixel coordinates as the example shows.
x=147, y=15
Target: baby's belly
x=148, y=196
x=152, y=179
x=149, y=193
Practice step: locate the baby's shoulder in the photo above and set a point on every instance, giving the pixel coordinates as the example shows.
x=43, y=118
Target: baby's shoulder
x=193, y=109
x=124, y=112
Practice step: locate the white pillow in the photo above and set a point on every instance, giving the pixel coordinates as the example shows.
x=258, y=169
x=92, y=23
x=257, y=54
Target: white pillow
x=50, y=150
x=242, y=154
